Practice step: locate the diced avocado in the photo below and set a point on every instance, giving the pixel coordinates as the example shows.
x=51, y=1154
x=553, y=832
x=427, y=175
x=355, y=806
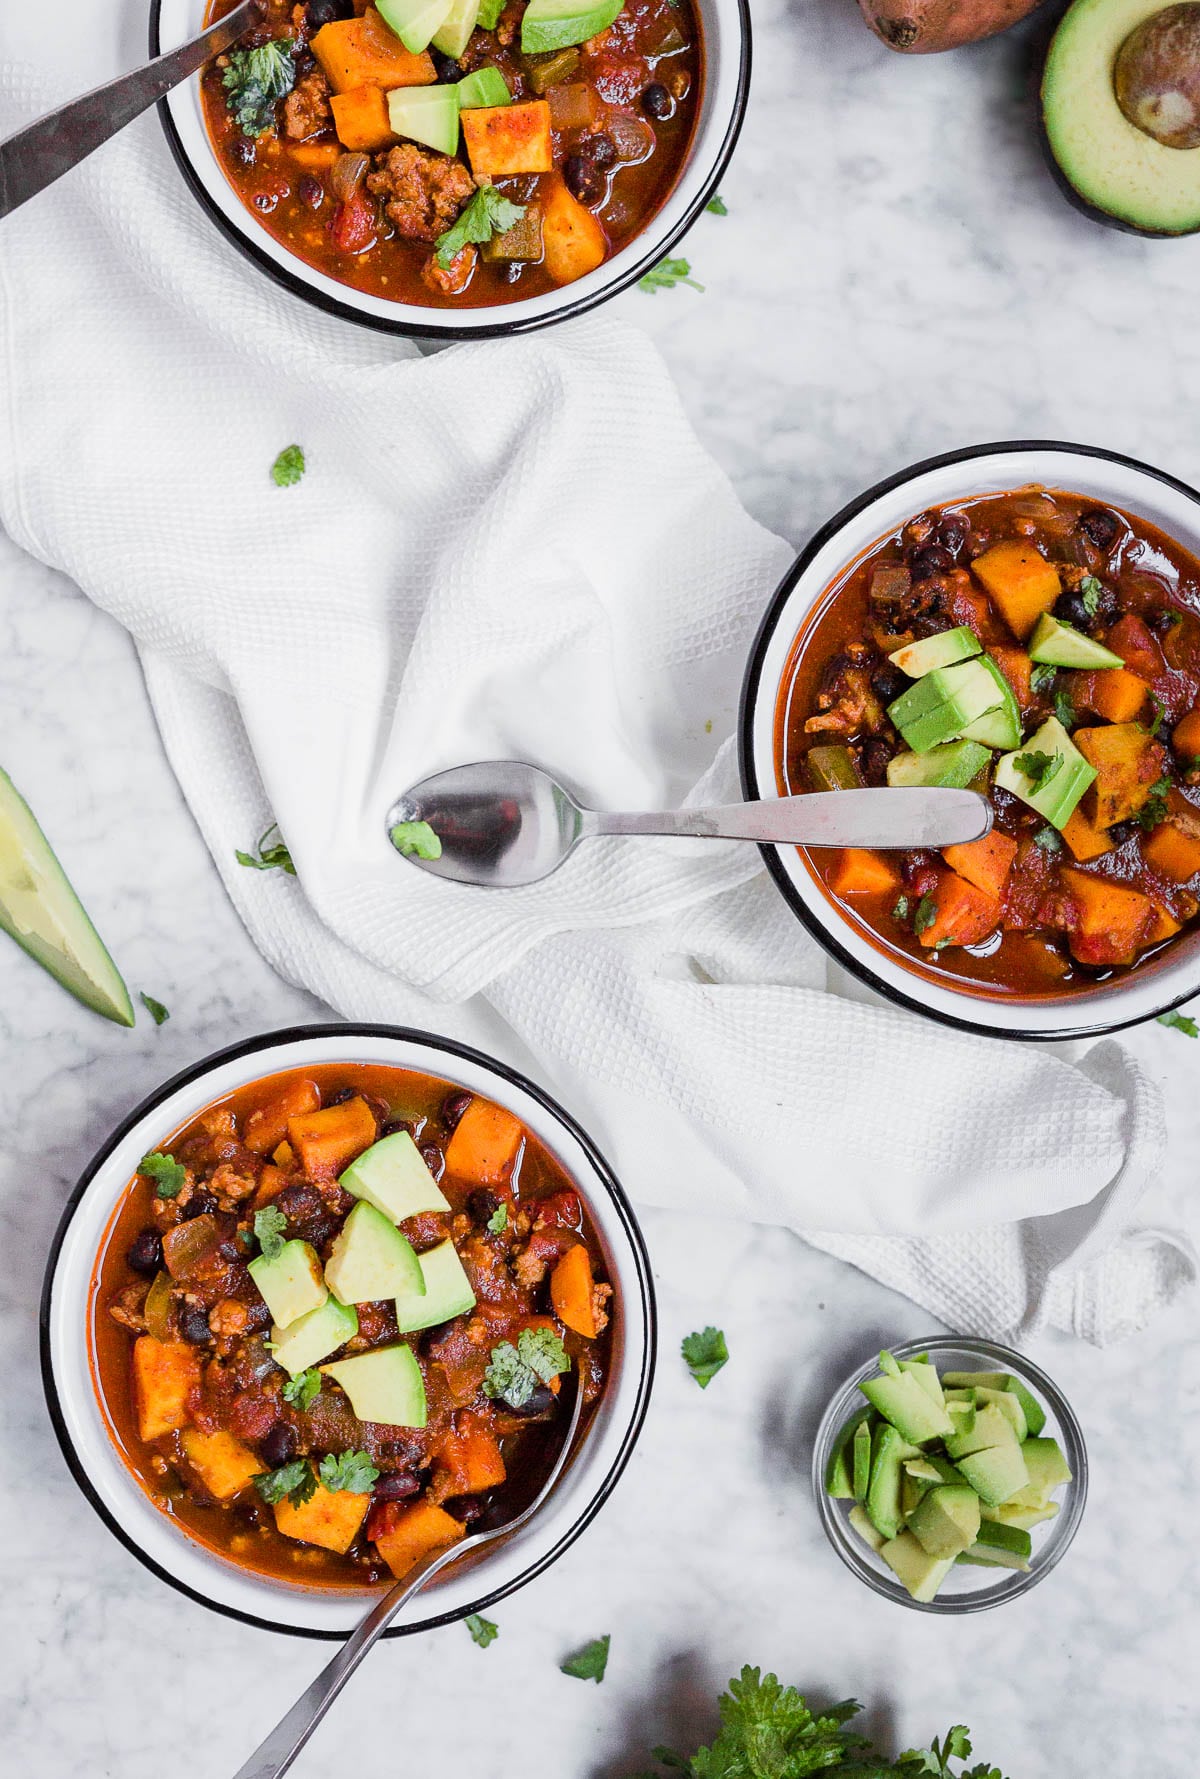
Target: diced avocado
x=385, y=1385
x=1024, y=1517
x=946, y=1520
x=921, y=1574
x=1046, y=1469
x=997, y=1536
x=1035, y=1414
x=831, y=767
x=290, y=1282
x=912, y=1489
x=485, y=87
x=952, y=765
x=426, y=114
x=371, y=1260
x=447, y=1291
x=839, y=1476
x=889, y=1365
x=970, y=1380
x=1061, y=645
x=990, y=1427
x=962, y=1419
x=861, y=1465
x=1000, y=727
x=1057, y=789
x=939, y=707
x=557, y=24
x=888, y=1451
x=414, y=22
x=453, y=35
x=929, y=1467
x=943, y=650
x=995, y=1473
x=40, y=910
x=392, y=1176
x=980, y=1556
x=865, y=1530
x=306, y=1342
x=926, y=1375
x=903, y=1402
x=1008, y=1405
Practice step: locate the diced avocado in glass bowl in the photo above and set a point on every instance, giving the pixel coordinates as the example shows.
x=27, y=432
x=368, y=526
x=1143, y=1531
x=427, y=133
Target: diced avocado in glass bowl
x=950, y=1475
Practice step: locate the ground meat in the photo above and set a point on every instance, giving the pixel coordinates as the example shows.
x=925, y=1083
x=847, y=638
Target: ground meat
x=421, y=193
x=306, y=108
x=600, y=1297
x=232, y=1186
x=228, y=1318
x=846, y=701
x=126, y=1307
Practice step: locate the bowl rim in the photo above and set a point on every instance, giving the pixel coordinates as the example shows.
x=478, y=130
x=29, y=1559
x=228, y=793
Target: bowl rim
x=1009, y=1584
x=637, y=1291
x=345, y=309
x=753, y=692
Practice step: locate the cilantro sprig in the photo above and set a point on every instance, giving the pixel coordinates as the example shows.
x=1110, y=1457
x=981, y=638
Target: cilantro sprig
x=288, y=467
x=483, y=1630
x=925, y=915
x=1039, y=768
x=415, y=840
x=350, y=1473
x=705, y=1353
x=275, y=857
x=717, y=206
x=303, y=1389
x=1180, y=1022
x=514, y=1373
x=666, y=275
x=158, y=1013
x=1154, y=809
x=488, y=213
x=497, y=1223
x=590, y=1662
x=254, y=79
x=167, y=1173
x=1090, y=591
x=269, y=1225
x=295, y=1482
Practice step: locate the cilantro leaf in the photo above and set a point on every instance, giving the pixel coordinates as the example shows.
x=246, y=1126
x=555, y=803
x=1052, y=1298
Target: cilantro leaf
x=275, y=857
x=666, y=275
x=1160, y=711
x=1038, y=767
x=1154, y=809
x=767, y=1729
x=158, y=1013
x=288, y=467
x=543, y=1352
x=1064, y=707
x=498, y=1221
x=295, y=1482
x=254, y=79
x=717, y=206
x=167, y=1173
x=488, y=213
x=483, y=1630
x=514, y=1373
x=303, y=1389
x=900, y=911
x=704, y=1354
x=925, y=916
x=350, y=1473
x=590, y=1662
x=1042, y=677
x=415, y=840
x=1180, y=1022
x=269, y=1225
x=1090, y=590
x=1048, y=838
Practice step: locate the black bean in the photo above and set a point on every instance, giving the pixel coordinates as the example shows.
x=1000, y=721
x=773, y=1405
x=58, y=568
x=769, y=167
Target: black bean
x=447, y=68
x=1161, y=619
x=657, y=101
x=312, y=192
x=193, y=1324
x=929, y=560
x=397, y=1485
x=953, y=531
x=309, y=1218
x=453, y=1107
x=876, y=755
x=465, y=1509
x=145, y=1254
x=483, y=1205
x=324, y=12
x=1100, y=527
x=279, y=1445
x=341, y=1096
x=887, y=681
x=1070, y=609
x=538, y=1403
x=599, y=149
x=201, y=1202
x=396, y=1125
x=245, y=151
x=583, y=179
x=434, y=1160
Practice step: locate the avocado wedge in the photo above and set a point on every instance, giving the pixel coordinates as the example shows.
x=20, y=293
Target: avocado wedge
x=1116, y=169
x=40, y=910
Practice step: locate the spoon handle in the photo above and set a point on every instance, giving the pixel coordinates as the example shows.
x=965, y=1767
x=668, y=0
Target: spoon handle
x=43, y=151
x=891, y=816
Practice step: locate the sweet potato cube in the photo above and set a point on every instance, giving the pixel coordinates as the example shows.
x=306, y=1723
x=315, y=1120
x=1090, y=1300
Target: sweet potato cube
x=361, y=119
x=271, y=1183
x=1020, y=581
x=506, y=139
x=986, y=863
x=164, y=1374
x=328, y=1141
x=1085, y=839
x=858, y=871
x=414, y=1532
x=1111, y=692
x=364, y=52
x=963, y=914
x=573, y=241
x=572, y=1292
x=266, y=1126
x=1127, y=761
x=471, y=1458
x=1108, y=921
x=1017, y=669
x=484, y=1144
x=330, y=1518
x=1173, y=850
x=224, y=1465
x=1163, y=925
x=1185, y=737
x=314, y=157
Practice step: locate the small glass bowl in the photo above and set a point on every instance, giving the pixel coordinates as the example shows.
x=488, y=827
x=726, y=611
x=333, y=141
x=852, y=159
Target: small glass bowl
x=966, y=1588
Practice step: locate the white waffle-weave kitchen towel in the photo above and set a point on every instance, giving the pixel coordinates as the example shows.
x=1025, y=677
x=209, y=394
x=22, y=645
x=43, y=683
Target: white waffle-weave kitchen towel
x=516, y=549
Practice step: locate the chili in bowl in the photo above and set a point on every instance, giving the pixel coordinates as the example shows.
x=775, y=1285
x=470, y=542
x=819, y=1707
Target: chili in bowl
x=1025, y=620
x=456, y=168
x=320, y=1322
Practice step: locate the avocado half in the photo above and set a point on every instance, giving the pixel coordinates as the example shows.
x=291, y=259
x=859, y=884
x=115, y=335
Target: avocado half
x=1114, y=167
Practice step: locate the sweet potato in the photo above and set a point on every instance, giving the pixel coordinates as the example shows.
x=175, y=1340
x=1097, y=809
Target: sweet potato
x=1185, y=737
x=506, y=139
x=1020, y=580
x=164, y=1374
x=1017, y=669
x=330, y=1518
x=1085, y=839
x=573, y=241
x=470, y=1457
x=314, y=157
x=1110, y=692
x=224, y=1465
x=1127, y=763
x=571, y=1292
x=409, y=1533
x=271, y=1183
x=921, y=27
x=484, y=1144
x=860, y=872
x=986, y=863
x=1108, y=922
x=1163, y=925
x=963, y=914
x=363, y=52
x=361, y=119
x=266, y=1126
x=1173, y=850
x=328, y=1141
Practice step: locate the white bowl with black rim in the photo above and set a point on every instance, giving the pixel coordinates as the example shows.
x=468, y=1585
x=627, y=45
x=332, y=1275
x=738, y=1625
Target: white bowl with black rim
x=70, y=1374
x=1108, y=478
x=725, y=31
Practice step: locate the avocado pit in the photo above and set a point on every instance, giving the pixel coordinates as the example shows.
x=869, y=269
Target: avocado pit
x=1156, y=76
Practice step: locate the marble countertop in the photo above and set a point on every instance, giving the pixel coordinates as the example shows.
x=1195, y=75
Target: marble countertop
x=896, y=275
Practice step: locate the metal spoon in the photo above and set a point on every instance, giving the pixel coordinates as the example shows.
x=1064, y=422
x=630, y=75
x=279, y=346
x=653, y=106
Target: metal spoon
x=275, y=1754
x=501, y=822
x=42, y=152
